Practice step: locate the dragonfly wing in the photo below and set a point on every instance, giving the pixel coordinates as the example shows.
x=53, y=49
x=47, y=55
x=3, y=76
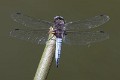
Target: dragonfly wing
x=84, y=38
x=88, y=23
x=37, y=36
x=31, y=22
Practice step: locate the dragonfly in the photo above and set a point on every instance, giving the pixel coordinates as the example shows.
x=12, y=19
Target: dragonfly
x=80, y=32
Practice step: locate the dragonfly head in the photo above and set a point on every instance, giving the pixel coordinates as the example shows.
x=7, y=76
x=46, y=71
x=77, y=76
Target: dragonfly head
x=59, y=20
x=58, y=17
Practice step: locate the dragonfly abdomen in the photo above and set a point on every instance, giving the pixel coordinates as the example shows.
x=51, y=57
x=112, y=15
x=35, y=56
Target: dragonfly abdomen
x=58, y=50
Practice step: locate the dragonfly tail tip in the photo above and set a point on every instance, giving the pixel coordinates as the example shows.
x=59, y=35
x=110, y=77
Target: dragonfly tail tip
x=57, y=66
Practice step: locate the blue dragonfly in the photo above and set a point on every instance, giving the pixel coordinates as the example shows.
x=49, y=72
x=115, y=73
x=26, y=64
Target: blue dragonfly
x=73, y=33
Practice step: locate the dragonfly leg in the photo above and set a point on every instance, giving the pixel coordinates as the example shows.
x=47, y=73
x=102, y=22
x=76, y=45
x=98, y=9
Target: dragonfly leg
x=51, y=31
x=51, y=38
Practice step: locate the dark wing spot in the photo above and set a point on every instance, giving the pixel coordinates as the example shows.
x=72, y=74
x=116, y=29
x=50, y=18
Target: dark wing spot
x=101, y=15
x=18, y=13
x=17, y=29
x=102, y=32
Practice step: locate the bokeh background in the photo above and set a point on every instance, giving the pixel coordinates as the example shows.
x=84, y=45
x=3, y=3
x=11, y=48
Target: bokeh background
x=100, y=61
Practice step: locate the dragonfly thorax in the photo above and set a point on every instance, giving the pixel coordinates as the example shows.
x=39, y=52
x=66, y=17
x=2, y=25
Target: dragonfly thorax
x=59, y=21
x=59, y=33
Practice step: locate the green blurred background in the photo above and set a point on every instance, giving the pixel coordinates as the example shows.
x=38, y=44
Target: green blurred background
x=101, y=61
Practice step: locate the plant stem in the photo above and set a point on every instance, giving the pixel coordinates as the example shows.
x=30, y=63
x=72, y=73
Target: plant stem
x=46, y=59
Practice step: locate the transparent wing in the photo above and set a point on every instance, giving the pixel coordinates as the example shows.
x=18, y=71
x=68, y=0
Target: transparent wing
x=37, y=36
x=31, y=22
x=84, y=38
x=88, y=23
